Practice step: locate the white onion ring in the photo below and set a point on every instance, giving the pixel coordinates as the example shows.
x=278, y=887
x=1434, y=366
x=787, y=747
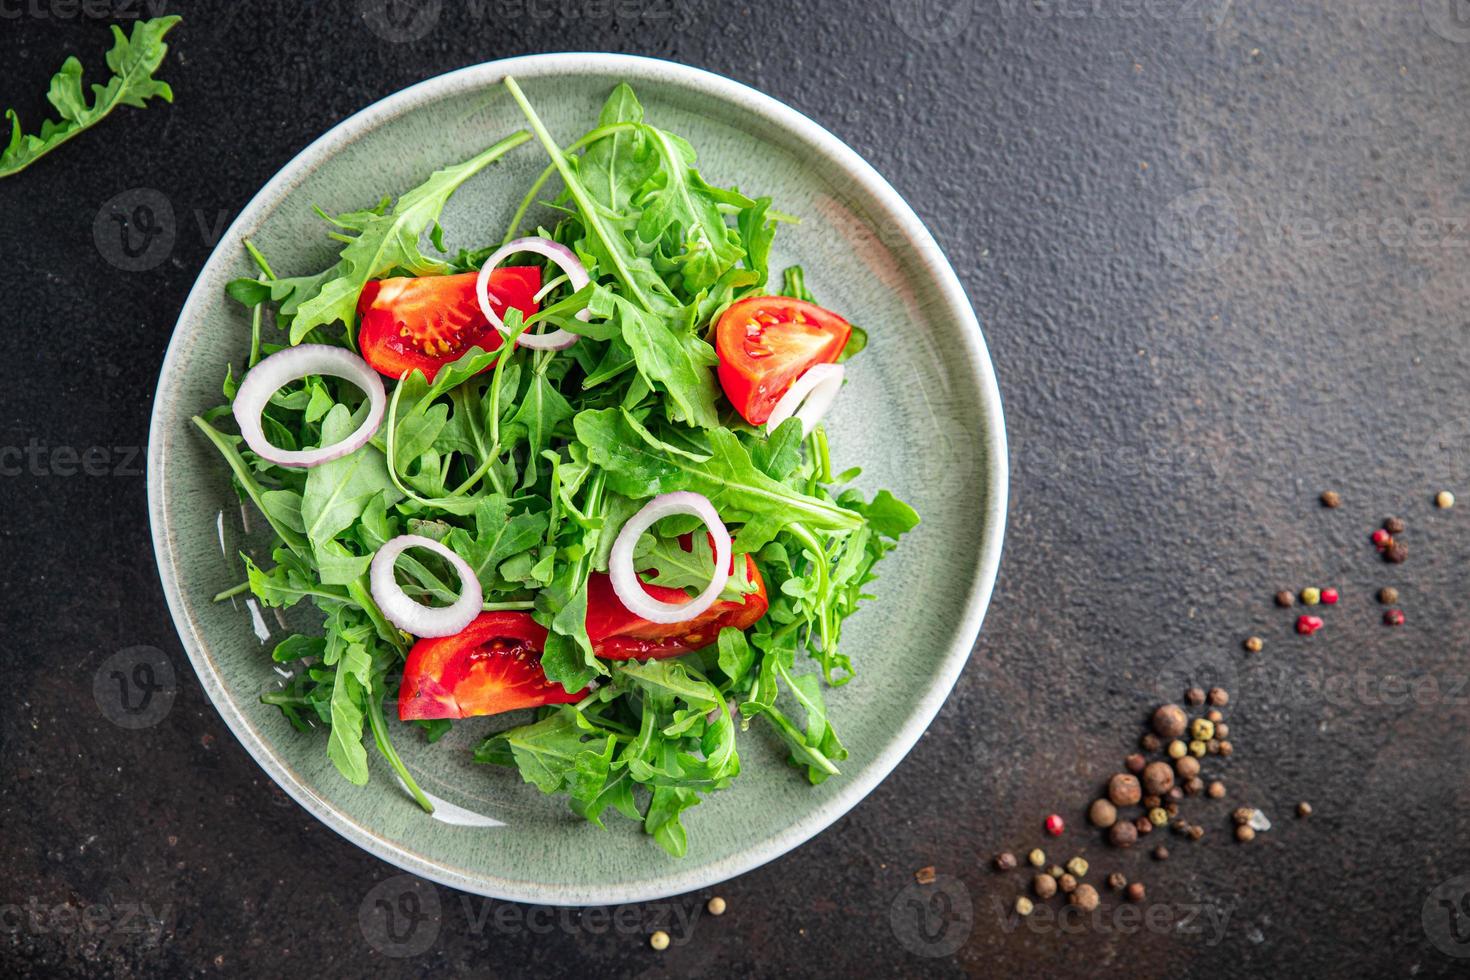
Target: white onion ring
x=629, y=587
x=293, y=364
x=812, y=393
x=413, y=617
x=564, y=258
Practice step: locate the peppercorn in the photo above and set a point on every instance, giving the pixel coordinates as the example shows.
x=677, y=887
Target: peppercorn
x=659, y=940
x=1381, y=539
x=1135, y=763
x=1085, y=898
x=1171, y=809
x=1197, y=749
x=1222, y=730
x=1149, y=742
x=1005, y=861
x=1169, y=721
x=1123, y=789
x=1214, y=716
x=1045, y=886
x=1037, y=857
x=1177, y=793
x=1329, y=597
x=1195, y=695
x=1307, y=625
x=1067, y=884
x=1078, y=867
x=1253, y=644
x=1195, y=786
x=1311, y=596
x=1117, y=881
x=1056, y=871
x=1394, y=525
x=1123, y=834
x=1304, y=809
x=1284, y=599
x=1149, y=802
x=1055, y=825
x=1393, y=617
x=1244, y=833
x=925, y=875
x=1444, y=500
x=1212, y=747
x=1216, y=790
x=1187, y=767
x=1143, y=825
x=1158, y=816
x=1397, y=552
x=1226, y=748
x=1024, y=905
x=716, y=905
x=1332, y=499
x=1388, y=595
x=1136, y=892
x=1177, y=749
x=1158, y=778
x=1196, y=832
x=1243, y=815
x=1203, y=729
x=1161, y=853
x=1180, y=826
x=1102, y=814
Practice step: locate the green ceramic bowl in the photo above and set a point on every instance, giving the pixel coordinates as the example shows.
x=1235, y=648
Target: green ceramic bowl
x=921, y=414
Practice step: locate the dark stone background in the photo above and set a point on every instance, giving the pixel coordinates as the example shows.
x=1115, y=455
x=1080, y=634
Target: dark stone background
x=1219, y=251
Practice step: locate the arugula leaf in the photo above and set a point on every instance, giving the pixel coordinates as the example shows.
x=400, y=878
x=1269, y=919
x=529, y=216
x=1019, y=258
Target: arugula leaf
x=132, y=60
x=350, y=692
x=338, y=492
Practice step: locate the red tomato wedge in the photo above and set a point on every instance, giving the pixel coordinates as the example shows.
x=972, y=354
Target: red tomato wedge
x=767, y=342
x=490, y=666
x=426, y=322
x=618, y=634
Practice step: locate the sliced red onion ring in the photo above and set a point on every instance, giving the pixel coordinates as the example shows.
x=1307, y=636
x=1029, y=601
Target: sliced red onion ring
x=812, y=393
x=413, y=617
x=293, y=364
x=625, y=581
x=565, y=259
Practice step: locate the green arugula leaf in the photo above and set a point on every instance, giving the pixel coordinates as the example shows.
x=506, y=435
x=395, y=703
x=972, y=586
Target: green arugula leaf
x=132, y=60
x=350, y=692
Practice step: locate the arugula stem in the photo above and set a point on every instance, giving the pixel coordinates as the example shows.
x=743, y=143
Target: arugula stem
x=364, y=598
x=506, y=606
x=293, y=539
x=255, y=253
x=379, y=726
x=824, y=588
x=255, y=318
x=240, y=589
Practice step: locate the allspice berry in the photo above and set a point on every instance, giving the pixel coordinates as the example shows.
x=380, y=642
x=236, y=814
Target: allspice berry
x=1123, y=789
x=1136, y=892
x=1222, y=731
x=1388, y=595
x=1085, y=898
x=1143, y=825
x=1195, y=786
x=1214, y=716
x=1102, y=814
x=1226, y=748
x=1285, y=599
x=1123, y=834
x=1150, y=742
x=1169, y=721
x=1332, y=499
x=1045, y=886
x=1135, y=763
x=1158, y=778
x=1254, y=644
x=1216, y=790
x=1244, y=833
x=1187, y=767
x=1117, y=881
x=1218, y=696
x=1195, y=695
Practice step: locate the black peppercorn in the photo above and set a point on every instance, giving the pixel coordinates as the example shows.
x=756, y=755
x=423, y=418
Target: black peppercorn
x=1123, y=834
x=1396, y=553
x=1135, y=763
x=1394, y=525
x=1161, y=853
x=1117, y=881
x=1285, y=598
x=1005, y=861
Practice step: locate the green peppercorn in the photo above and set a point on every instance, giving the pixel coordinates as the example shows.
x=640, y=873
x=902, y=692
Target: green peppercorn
x=1078, y=867
x=1203, y=729
x=1177, y=749
x=1024, y=905
x=1037, y=857
x=1198, y=749
x=1158, y=816
x=1311, y=596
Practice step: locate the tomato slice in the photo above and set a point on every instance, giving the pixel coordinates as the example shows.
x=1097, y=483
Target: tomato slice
x=490, y=666
x=618, y=634
x=767, y=342
x=426, y=322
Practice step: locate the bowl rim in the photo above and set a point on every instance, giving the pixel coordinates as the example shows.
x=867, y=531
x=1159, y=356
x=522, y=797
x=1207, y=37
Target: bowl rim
x=995, y=478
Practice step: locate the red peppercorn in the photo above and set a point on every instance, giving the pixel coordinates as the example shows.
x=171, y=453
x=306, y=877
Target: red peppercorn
x=1054, y=825
x=1393, y=617
x=1381, y=538
x=1307, y=625
x=1329, y=596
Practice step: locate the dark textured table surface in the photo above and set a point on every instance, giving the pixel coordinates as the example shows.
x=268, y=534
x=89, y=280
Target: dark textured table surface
x=1219, y=250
